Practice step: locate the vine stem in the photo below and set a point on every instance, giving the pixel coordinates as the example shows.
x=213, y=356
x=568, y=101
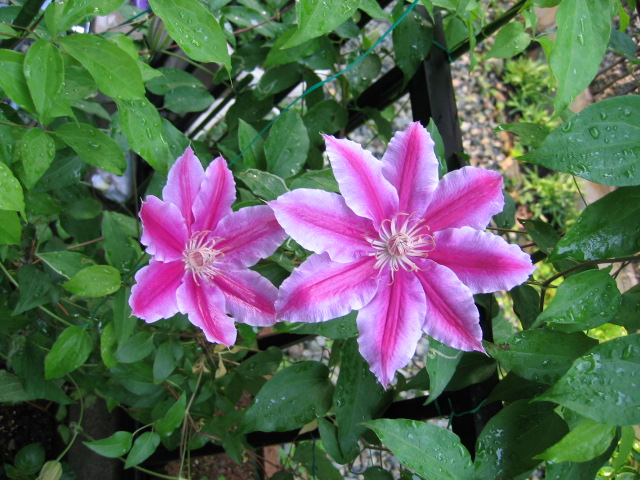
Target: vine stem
x=77, y=429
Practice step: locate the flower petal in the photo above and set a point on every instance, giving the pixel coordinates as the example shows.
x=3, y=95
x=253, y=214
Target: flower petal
x=248, y=235
x=362, y=184
x=163, y=229
x=217, y=193
x=484, y=262
x=452, y=316
x=391, y=324
x=183, y=184
x=321, y=222
x=249, y=297
x=204, y=304
x=467, y=197
x=410, y=164
x=154, y=295
x=320, y=289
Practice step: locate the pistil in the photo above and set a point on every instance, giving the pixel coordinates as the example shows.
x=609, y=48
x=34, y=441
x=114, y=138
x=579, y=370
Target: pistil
x=200, y=257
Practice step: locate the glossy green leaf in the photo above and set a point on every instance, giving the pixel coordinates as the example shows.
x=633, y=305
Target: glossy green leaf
x=94, y=281
x=29, y=459
x=601, y=143
x=135, y=348
x=195, y=29
x=62, y=14
x=432, y=452
x=66, y=263
x=580, y=44
x=598, y=234
x=262, y=184
x=629, y=312
x=11, y=196
x=529, y=134
x=281, y=55
x=114, y=446
x=173, y=418
x=292, y=398
x=44, y=73
x=510, y=41
x=171, y=79
x=78, y=83
x=142, y=126
x=10, y=228
x=540, y=355
x=338, y=328
x=512, y=387
x=512, y=438
x=377, y=473
x=113, y=70
x=412, y=40
x=319, y=179
x=36, y=287
x=442, y=361
x=315, y=461
x=358, y=397
x=13, y=81
x=584, y=442
x=363, y=73
x=316, y=18
x=326, y=116
x=603, y=384
x=94, y=146
x=278, y=79
x=287, y=146
x=37, y=152
x=164, y=362
x=121, y=253
x=143, y=447
x=70, y=350
x=108, y=345
x=187, y=99
x=11, y=389
x=583, y=301
x=123, y=321
x=580, y=470
x=526, y=304
x=252, y=153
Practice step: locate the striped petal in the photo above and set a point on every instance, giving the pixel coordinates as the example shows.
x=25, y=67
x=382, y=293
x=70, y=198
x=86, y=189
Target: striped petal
x=183, y=184
x=217, y=193
x=164, y=231
x=154, y=295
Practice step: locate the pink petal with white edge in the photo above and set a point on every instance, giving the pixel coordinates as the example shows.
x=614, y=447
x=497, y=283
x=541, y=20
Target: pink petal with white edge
x=484, y=262
x=163, y=229
x=204, y=304
x=411, y=166
x=183, y=184
x=362, y=184
x=154, y=295
x=320, y=289
x=321, y=222
x=467, y=197
x=452, y=316
x=390, y=326
x=246, y=236
x=217, y=193
x=249, y=297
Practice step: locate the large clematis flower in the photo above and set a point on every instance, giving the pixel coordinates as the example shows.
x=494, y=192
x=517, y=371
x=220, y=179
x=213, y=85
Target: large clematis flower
x=406, y=250
x=201, y=251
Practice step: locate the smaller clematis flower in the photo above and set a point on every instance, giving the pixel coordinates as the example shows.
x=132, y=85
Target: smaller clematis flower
x=201, y=250
x=405, y=249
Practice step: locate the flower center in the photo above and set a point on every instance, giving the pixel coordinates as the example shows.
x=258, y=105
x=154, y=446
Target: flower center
x=200, y=257
x=402, y=238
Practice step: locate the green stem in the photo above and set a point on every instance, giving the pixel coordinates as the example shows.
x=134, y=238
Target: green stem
x=190, y=62
x=8, y=275
x=77, y=429
x=53, y=315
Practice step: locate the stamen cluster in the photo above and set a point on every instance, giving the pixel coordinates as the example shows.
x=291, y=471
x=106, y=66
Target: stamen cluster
x=200, y=256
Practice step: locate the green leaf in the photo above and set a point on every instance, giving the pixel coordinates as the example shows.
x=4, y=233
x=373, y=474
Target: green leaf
x=281, y=55
x=277, y=79
x=316, y=18
x=164, y=362
x=11, y=389
x=601, y=143
x=530, y=134
x=292, y=398
x=70, y=350
x=412, y=40
x=315, y=461
x=10, y=228
x=108, y=345
x=94, y=146
x=143, y=447
x=142, y=126
x=319, y=179
x=581, y=41
x=628, y=315
x=583, y=301
x=540, y=355
x=114, y=71
x=597, y=234
x=187, y=99
x=509, y=442
x=66, y=263
x=603, y=384
x=262, y=184
x=326, y=116
x=252, y=153
x=35, y=288
x=377, y=473
x=584, y=442
x=358, y=397
x=580, y=470
x=432, y=452
x=135, y=348
x=363, y=73
x=173, y=418
x=29, y=459
x=62, y=14
x=171, y=79
x=510, y=41
x=112, y=447
x=123, y=321
x=44, y=72
x=11, y=196
x=287, y=146
x=442, y=361
x=37, y=152
x=337, y=328
x=120, y=252
x=94, y=281
x=13, y=81
x=195, y=29
x=526, y=304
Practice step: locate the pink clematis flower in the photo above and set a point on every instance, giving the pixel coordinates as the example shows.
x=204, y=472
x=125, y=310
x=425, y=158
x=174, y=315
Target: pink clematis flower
x=403, y=248
x=201, y=251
